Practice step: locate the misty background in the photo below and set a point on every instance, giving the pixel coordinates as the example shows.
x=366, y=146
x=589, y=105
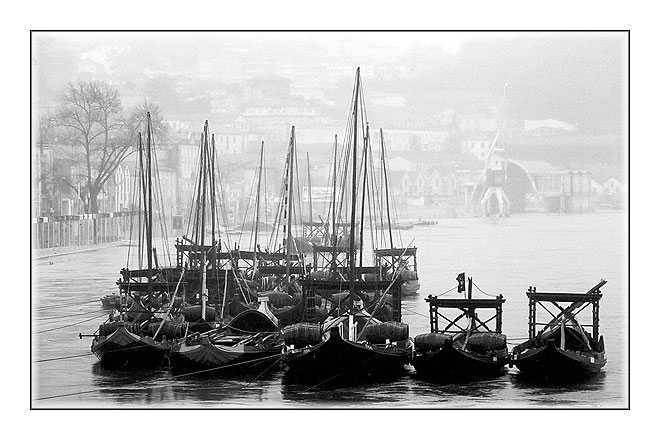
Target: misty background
x=439, y=98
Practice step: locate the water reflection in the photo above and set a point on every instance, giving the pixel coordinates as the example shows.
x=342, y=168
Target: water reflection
x=479, y=389
x=556, y=386
x=344, y=389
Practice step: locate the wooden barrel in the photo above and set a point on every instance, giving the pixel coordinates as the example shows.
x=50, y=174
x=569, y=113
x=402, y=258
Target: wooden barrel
x=487, y=341
x=302, y=334
x=277, y=299
x=430, y=341
x=108, y=328
x=391, y=330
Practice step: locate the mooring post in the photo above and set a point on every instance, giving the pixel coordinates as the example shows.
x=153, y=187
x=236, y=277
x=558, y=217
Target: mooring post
x=396, y=298
x=532, y=313
x=595, y=321
x=498, y=319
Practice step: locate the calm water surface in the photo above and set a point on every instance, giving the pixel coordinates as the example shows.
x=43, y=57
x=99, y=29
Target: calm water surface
x=563, y=253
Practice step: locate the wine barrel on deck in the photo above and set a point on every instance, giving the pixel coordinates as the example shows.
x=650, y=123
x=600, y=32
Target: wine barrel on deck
x=109, y=328
x=302, y=334
x=430, y=341
x=379, y=333
x=278, y=299
x=487, y=341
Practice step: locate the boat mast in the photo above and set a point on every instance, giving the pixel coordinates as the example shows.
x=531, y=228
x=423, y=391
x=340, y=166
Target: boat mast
x=148, y=205
x=334, y=194
x=205, y=146
x=364, y=188
x=387, y=193
x=309, y=193
x=256, y=220
x=289, y=235
x=212, y=190
x=351, y=246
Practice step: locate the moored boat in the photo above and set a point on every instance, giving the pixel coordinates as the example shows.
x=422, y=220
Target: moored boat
x=124, y=339
x=466, y=347
x=353, y=344
x=248, y=341
x=126, y=346
x=563, y=349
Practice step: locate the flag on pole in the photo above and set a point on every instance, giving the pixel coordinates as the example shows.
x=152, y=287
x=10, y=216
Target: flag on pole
x=461, y=282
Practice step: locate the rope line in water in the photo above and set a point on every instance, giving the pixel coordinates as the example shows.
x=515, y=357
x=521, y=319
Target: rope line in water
x=86, y=354
x=63, y=357
x=261, y=374
x=48, y=318
x=69, y=325
x=66, y=305
x=322, y=382
x=150, y=381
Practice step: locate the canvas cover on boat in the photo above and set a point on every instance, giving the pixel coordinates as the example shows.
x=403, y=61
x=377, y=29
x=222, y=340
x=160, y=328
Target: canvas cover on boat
x=194, y=313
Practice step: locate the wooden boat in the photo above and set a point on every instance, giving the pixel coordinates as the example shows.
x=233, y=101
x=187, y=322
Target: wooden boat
x=350, y=342
x=127, y=346
x=562, y=349
x=124, y=340
x=354, y=344
x=466, y=348
x=250, y=340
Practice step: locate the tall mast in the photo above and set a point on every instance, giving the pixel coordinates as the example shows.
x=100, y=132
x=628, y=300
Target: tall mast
x=148, y=206
x=212, y=191
x=143, y=187
x=364, y=189
x=198, y=193
x=256, y=220
x=309, y=192
x=289, y=235
x=351, y=246
x=387, y=192
x=205, y=149
x=334, y=193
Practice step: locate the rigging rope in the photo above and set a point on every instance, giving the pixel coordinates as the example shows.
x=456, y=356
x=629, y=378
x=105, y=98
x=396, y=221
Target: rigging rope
x=479, y=289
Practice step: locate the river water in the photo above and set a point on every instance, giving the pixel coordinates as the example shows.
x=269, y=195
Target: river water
x=552, y=252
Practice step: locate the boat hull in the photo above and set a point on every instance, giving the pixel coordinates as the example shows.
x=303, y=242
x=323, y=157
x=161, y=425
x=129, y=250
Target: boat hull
x=337, y=356
x=126, y=349
x=208, y=356
x=550, y=361
x=451, y=362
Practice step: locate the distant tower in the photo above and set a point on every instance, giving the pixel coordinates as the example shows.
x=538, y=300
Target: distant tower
x=495, y=202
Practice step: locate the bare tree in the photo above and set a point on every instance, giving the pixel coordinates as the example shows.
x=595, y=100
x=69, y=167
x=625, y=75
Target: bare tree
x=137, y=121
x=91, y=114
